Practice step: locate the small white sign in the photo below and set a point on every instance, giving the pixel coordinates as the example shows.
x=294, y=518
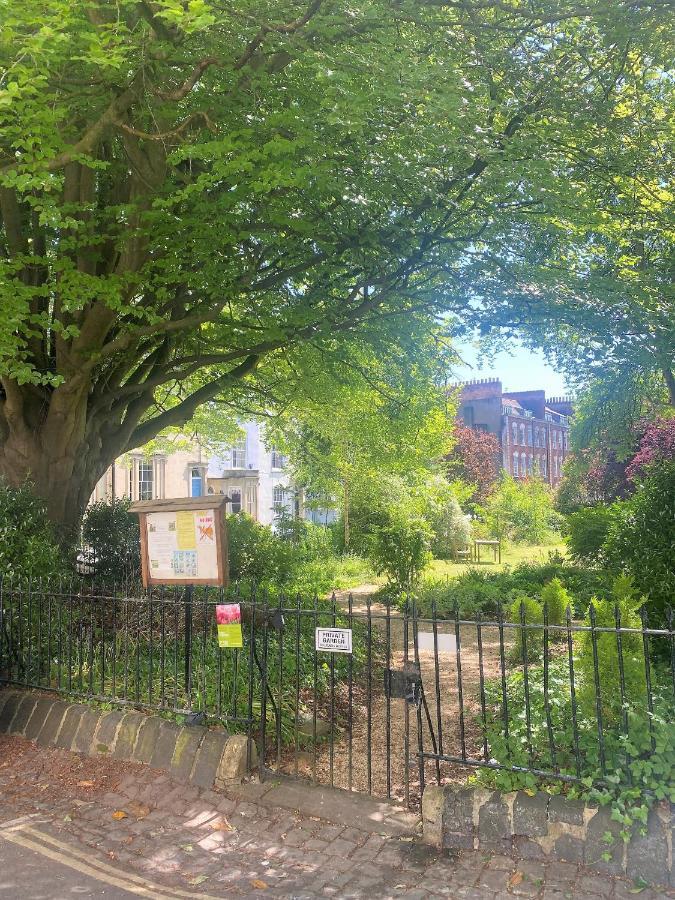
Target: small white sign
x=447, y=643
x=334, y=640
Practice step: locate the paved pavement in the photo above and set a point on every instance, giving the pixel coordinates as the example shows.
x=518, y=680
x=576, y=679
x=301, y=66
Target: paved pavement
x=132, y=831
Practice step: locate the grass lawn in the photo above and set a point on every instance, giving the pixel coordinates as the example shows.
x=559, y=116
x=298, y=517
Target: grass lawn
x=514, y=554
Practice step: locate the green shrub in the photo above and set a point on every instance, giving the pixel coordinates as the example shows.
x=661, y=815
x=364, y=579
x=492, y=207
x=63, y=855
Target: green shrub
x=641, y=542
x=29, y=546
x=556, y=599
x=303, y=562
x=587, y=530
x=112, y=535
x=521, y=511
x=257, y=554
x=481, y=591
x=527, y=611
x=451, y=528
x=391, y=525
x=609, y=673
x=399, y=548
x=640, y=761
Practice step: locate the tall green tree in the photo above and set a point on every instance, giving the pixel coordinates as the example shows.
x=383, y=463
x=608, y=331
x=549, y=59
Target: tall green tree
x=588, y=273
x=191, y=189
x=370, y=414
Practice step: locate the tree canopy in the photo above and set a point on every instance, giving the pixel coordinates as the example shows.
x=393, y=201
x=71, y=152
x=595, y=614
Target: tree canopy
x=190, y=190
x=591, y=279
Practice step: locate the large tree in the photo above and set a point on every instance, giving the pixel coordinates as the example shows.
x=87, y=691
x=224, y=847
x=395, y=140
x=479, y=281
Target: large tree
x=188, y=189
x=591, y=280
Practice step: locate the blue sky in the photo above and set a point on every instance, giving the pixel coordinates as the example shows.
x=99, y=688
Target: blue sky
x=520, y=369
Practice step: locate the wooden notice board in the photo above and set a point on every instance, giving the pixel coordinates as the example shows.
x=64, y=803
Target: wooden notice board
x=183, y=541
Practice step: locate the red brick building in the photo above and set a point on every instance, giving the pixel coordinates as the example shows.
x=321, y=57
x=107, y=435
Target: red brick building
x=533, y=431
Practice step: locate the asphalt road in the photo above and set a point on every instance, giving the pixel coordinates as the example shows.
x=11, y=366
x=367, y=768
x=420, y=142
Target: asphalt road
x=35, y=866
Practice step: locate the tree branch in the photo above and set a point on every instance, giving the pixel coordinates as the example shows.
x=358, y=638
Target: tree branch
x=190, y=82
x=167, y=135
x=181, y=413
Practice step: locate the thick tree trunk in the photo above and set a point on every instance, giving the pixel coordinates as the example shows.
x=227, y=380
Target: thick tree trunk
x=54, y=453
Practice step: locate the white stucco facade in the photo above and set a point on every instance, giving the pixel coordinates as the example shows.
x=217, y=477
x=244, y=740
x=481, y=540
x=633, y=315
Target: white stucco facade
x=254, y=475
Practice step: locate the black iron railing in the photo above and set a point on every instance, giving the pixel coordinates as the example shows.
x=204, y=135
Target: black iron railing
x=419, y=698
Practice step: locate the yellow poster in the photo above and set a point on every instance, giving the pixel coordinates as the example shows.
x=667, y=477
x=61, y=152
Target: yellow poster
x=185, y=531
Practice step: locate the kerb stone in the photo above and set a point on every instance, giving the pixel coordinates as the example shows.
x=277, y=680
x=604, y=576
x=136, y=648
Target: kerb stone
x=69, y=726
x=165, y=746
x=187, y=745
x=37, y=720
x=9, y=711
x=127, y=732
x=148, y=735
x=597, y=846
x=433, y=803
x=23, y=713
x=52, y=723
x=84, y=736
x=235, y=758
x=5, y=694
x=569, y=848
x=562, y=809
x=208, y=759
x=494, y=825
x=106, y=733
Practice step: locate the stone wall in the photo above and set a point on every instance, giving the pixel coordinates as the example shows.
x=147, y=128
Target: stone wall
x=191, y=754
x=545, y=827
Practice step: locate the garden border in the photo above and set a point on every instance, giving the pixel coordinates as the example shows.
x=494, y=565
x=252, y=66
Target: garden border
x=546, y=827
x=189, y=753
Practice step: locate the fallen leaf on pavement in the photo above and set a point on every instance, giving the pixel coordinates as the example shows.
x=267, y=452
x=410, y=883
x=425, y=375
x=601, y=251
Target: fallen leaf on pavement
x=515, y=879
x=119, y=814
x=198, y=879
x=221, y=824
x=186, y=847
x=258, y=884
x=140, y=810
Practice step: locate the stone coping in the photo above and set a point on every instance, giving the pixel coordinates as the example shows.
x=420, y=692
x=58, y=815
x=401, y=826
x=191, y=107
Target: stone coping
x=191, y=754
x=545, y=827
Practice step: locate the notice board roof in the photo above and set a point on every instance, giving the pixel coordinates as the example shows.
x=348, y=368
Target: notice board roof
x=176, y=504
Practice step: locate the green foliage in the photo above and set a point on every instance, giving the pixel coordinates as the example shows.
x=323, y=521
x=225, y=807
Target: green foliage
x=586, y=531
x=528, y=642
x=29, y=546
x=253, y=550
x=451, y=528
x=399, y=544
x=111, y=533
x=201, y=200
x=641, y=541
x=301, y=560
x=639, y=760
x=608, y=659
x=520, y=511
x=557, y=600
x=481, y=591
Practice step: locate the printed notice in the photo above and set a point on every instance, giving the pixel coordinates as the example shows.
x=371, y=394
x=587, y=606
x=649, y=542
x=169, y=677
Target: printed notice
x=228, y=623
x=206, y=527
x=185, y=531
x=182, y=546
x=334, y=640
